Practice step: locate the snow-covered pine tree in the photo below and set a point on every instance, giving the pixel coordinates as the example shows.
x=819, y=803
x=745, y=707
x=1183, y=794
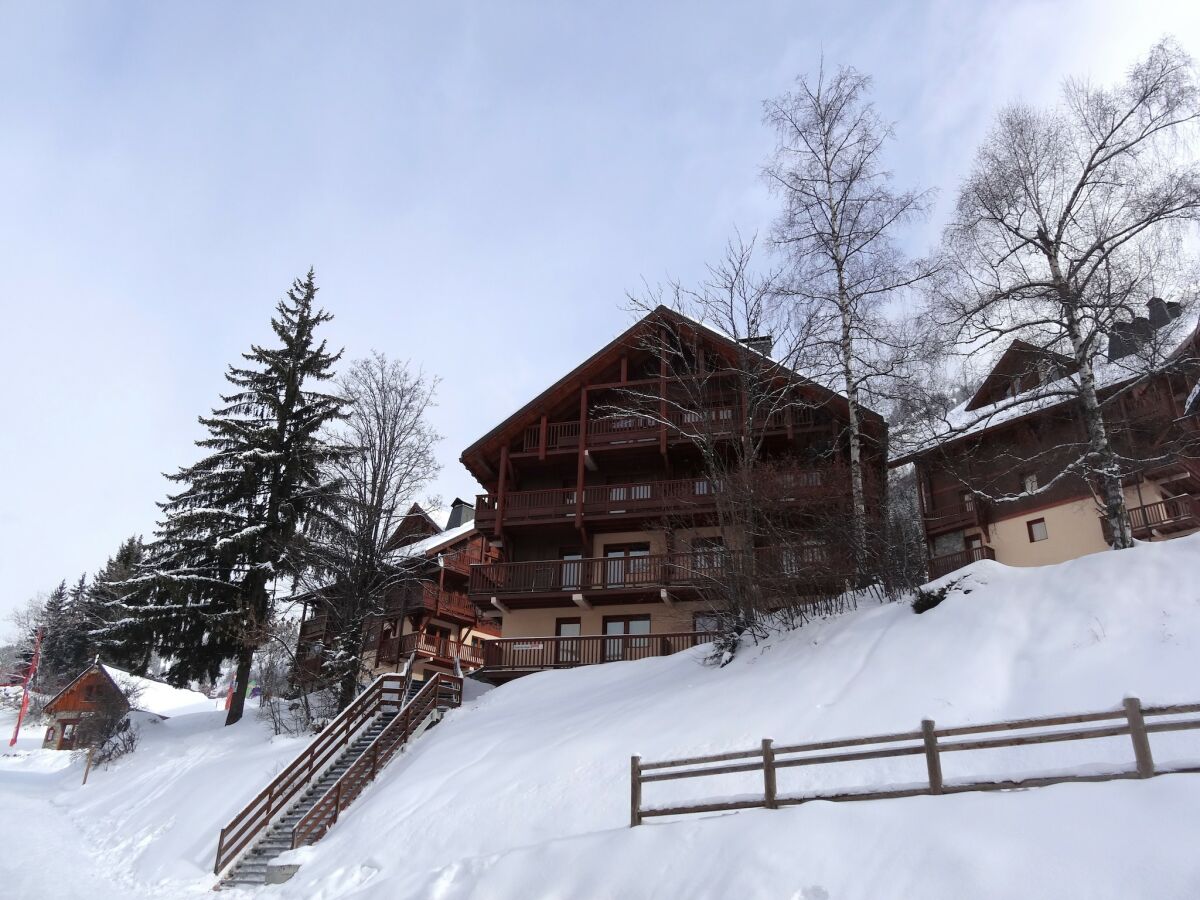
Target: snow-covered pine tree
x=205, y=593
x=104, y=610
x=75, y=643
x=54, y=636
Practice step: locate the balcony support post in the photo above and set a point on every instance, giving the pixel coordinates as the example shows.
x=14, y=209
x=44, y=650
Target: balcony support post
x=579, y=464
x=542, y=439
x=581, y=601
x=501, y=490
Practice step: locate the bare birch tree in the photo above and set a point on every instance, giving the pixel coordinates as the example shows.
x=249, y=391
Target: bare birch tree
x=1071, y=221
x=393, y=460
x=838, y=227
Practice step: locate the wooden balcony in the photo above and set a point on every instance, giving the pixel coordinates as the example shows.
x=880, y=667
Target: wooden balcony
x=647, y=499
x=614, y=430
x=1166, y=517
x=443, y=650
x=633, y=574
x=952, y=517
x=944, y=565
x=518, y=655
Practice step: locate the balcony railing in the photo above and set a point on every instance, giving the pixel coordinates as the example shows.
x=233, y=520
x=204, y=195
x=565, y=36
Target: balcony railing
x=534, y=653
x=952, y=517
x=721, y=417
x=1166, y=516
x=649, y=498
x=944, y=565
x=393, y=650
x=695, y=568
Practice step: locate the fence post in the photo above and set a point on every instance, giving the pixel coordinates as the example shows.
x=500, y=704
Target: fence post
x=1141, y=740
x=768, y=754
x=932, y=760
x=635, y=791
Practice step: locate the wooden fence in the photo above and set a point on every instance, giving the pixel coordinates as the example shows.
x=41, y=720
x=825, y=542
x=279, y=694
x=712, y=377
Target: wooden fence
x=928, y=742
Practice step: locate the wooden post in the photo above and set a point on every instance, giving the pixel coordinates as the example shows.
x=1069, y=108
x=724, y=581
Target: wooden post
x=635, y=791
x=88, y=767
x=498, y=528
x=769, y=774
x=1141, y=740
x=932, y=760
x=542, y=439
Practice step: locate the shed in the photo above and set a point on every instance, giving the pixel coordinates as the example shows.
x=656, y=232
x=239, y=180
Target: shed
x=92, y=693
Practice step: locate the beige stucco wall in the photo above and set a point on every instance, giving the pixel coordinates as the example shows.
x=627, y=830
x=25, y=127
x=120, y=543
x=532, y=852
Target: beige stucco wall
x=656, y=539
x=540, y=622
x=1074, y=530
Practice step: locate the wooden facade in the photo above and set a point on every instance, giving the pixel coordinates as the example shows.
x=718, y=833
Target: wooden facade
x=1044, y=515
x=428, y=617
x=603, y=521
x=93, y=692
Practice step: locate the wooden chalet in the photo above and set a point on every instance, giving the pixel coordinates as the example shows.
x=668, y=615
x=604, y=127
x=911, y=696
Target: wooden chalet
x=91, y=693
x=428, y=617
x=1013, y=439
x=603, y=523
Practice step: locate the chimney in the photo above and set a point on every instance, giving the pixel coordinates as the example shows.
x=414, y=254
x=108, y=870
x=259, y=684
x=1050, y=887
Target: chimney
x=1142, y=331
x=1120, y=340
x=1158, y=312
x=763, y=343
x=461, y=512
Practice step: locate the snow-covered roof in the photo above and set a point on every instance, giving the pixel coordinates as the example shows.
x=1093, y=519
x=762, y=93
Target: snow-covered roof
x=961, y=421
x=425, y=546
x=157, y=697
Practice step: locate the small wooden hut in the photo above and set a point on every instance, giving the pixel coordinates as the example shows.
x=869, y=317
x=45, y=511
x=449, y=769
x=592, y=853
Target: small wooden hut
x=92, y=693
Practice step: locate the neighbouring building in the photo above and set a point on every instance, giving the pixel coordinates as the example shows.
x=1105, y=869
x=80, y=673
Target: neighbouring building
x=93, y=692
x=600, y=519
x=1015, y=437
x=427, y=617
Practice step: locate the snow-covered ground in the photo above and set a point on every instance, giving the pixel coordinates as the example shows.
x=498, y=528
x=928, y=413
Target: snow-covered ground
x=524, y=792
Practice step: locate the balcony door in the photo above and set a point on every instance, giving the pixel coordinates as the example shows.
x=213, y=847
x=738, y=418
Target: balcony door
x=567, y=631
x=618, y=644
x=626, y=564
x=572, y=570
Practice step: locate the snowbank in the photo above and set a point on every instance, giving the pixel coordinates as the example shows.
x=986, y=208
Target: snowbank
x=524, y=794
x=160, y=698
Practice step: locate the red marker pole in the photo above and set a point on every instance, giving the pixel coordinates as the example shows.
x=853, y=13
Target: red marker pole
x=33, y=666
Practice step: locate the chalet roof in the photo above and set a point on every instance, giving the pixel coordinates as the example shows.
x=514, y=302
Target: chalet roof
x=606, y=356
x=430, y=546
x=1013, y=361
x=93, y=669
x=965, y=421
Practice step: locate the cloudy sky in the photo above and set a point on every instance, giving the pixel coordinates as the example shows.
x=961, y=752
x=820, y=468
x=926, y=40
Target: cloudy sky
x=477, y=184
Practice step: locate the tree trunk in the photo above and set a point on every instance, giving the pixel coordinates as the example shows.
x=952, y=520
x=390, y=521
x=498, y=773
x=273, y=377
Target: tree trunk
x=1103, y=461
x=237, y=703
x=857, y=491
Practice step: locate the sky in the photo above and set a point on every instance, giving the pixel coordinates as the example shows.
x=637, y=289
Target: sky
x=478, y=185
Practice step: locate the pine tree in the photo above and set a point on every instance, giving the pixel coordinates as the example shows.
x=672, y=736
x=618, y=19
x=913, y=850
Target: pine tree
x=205, y=593
x=105, y=608
x=54, y=636
x=75, y=643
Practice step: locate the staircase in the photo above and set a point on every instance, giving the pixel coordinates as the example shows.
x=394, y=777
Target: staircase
x=307, y=797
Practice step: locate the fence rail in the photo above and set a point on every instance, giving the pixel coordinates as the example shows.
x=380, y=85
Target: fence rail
x=928, y=742
x=441, y=691
x=944, y=565
x=260, y=812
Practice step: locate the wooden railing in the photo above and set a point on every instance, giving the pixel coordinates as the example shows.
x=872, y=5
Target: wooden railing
x=439, y=692
x=604, y=430
x=943, y=565
x=1172, y=514
x=394, y=649
x=927, y=742
x=651, y=498
x=952, y=516
x=690, y=568
x=260, y=812
x=517, y=654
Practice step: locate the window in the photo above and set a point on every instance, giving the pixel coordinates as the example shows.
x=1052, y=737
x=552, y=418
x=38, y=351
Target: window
x=708, y=555
x=567, y=651
x=706, y=622
x=625, y=564
x=572, y=570
x=968, y=501
x=620, y=647
x=1029, y=482
x=1037, y=530
x=974, y=541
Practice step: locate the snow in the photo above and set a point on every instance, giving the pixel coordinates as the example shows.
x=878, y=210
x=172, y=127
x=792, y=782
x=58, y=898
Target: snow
x=524, y=792
x=424, y=546
x=160, y=698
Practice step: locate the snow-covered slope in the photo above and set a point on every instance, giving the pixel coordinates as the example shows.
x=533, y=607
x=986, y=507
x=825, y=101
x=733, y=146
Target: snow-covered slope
x=525, y=794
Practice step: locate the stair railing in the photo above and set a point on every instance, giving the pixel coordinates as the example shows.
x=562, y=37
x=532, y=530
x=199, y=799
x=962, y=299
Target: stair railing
x=439, y=692
x=260, y=812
